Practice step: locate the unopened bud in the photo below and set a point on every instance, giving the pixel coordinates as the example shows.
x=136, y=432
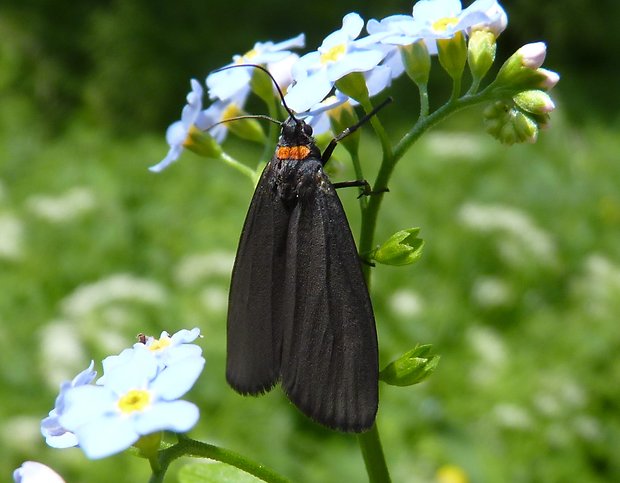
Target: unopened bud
x=525, y=128
x=532, y=55
x=402, y=248
x=521, y=71
x=534, y=101
x=342, y=117
x=452, y=54
x=354, y=86
x=481, y=50
x=417, y=61
x=549, y=80
x=411, y=368
x=202, y=143
x=249, y=129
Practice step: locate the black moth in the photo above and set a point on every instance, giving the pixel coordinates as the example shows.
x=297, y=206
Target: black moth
x=299, y=310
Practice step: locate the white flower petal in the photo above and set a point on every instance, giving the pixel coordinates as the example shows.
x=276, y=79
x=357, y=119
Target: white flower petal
x=352, y=25
x=308, y=92
x=177, y=416
x=106, y=436
x=34, y=472
x=175, y=380
x=360, y=61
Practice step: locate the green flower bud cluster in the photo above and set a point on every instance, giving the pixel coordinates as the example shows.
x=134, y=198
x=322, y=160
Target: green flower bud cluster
x=526, y=105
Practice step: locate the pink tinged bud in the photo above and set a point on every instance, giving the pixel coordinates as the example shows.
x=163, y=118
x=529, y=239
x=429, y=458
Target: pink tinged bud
x=533, y=55
x=549, y=80
x=534, y=101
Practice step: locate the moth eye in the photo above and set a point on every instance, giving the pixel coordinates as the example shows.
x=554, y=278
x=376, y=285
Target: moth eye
x=308, y=129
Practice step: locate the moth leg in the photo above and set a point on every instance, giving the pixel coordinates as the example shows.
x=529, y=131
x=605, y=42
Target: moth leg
x=361, y=183
x=350, y=130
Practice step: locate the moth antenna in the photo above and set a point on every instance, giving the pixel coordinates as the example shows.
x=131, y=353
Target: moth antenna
x=247, y=116
x=275, y=83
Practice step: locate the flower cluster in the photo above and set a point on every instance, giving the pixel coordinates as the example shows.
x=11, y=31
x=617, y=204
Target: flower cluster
x=137, y=395
x=526, y=108
x=348, y=68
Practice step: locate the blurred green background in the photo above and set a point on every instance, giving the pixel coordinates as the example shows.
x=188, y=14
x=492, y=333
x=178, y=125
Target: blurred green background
x=518, y=288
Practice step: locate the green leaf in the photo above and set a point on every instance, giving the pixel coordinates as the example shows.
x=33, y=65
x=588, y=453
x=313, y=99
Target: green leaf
x=411, y=368
x=215, y=472
x=402, y=248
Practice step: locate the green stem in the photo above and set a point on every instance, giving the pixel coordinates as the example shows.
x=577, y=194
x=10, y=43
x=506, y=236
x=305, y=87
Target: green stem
x=423, y=89
x=369, y=442
x=425, y=123
x=242, y=168
x=359, y=175
x=374, y=458
x=456, y=89
x=190, y=447
x=386, y=146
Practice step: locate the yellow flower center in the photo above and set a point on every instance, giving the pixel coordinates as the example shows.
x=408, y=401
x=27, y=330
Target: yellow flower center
x=134, y=400
x=161, y=344
x=442, y=24
x=247, y=57
x=232, y=110
x=187, y=142
x=333, y=54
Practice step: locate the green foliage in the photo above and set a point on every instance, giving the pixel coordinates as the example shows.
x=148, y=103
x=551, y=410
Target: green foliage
x=517, y=289
x=413, y=367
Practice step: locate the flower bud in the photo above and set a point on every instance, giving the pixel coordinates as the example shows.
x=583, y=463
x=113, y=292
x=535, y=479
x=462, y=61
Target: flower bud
x=402, y=248
x=249, y=129
x=354, y=86
x=342, y=117
x=481, y=50
x=417, y=61
x=510, y=125
x=411, y=368
x=202, y=143
x=534, y=101
x=521, y=71
x=525, y=128
x=549, y=80
x=262, y=85
x=149, y=444
x=452, y=54
x=532, y=55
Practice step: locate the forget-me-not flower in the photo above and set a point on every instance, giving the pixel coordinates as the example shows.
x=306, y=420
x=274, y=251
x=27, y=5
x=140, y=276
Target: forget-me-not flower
x=55, y=434
x=136, y=399
x=35, y=472
x=226, y=84
x=340, y=54
x=437, y=19
x=177, y=134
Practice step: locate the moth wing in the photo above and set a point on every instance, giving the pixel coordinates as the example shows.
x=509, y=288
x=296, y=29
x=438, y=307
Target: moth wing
x=330, y=356
x=254, y=328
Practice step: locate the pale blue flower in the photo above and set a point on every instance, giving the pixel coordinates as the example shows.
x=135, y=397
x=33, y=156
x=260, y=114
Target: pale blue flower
x=437, y=19
x=226, y=84
x=221, y=110
x=395, y=30
x=35, y=472
x=317, y=116
x=136, y=399
x=177, y=133
x=167, y=350
x=340, y=54
x=55, y=434
x=170, y=349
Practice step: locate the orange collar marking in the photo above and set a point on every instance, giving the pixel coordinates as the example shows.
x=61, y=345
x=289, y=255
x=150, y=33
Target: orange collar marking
x=292, y=152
